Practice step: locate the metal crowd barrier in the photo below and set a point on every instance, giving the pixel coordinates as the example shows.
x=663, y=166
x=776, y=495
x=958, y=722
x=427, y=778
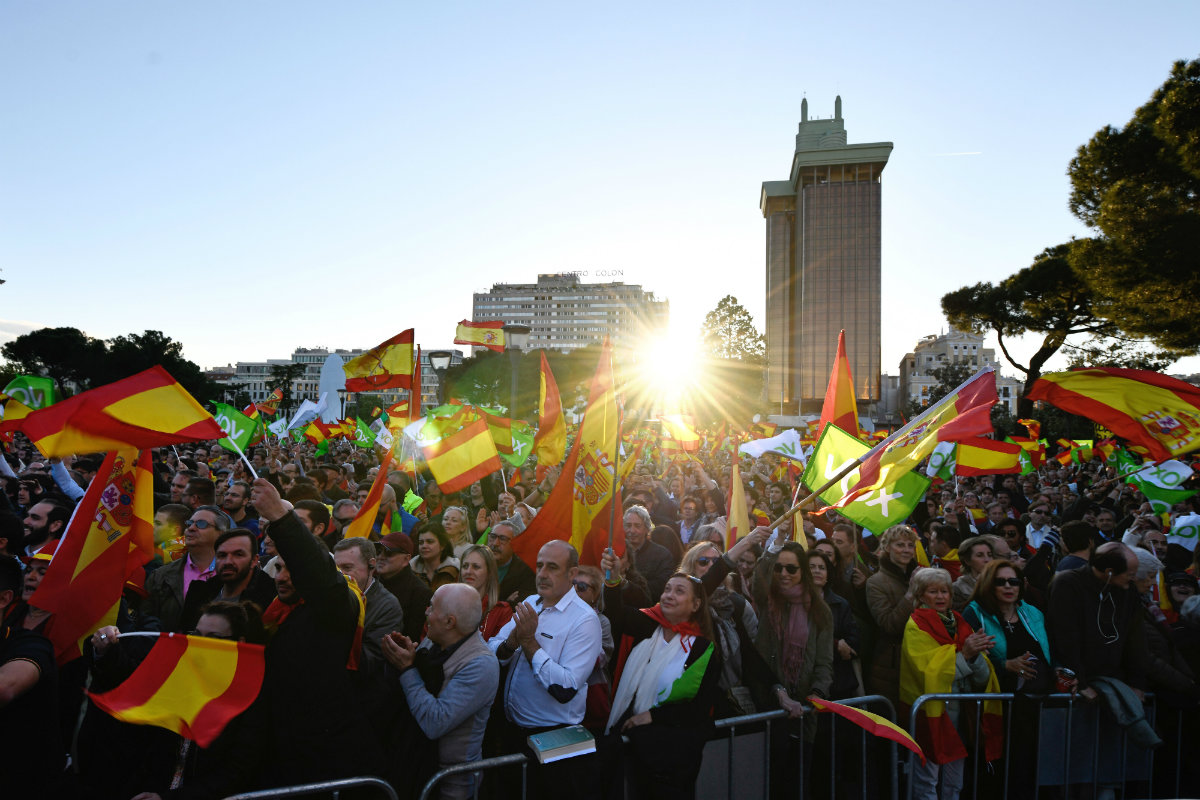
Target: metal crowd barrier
x=735, y=728
x=324, y=787
x=1061, y=766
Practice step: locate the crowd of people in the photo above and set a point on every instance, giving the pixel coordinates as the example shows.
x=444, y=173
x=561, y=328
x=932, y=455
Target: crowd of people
x=431, y=643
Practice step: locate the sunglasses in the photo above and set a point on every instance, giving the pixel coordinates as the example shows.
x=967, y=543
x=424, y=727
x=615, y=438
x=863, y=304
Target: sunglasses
x=199, y=524
x=584, y=586
x=704, y=561
x=792, y=569
x=1013, y=582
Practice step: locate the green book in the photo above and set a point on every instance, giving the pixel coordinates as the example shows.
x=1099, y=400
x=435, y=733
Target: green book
x=562, y=743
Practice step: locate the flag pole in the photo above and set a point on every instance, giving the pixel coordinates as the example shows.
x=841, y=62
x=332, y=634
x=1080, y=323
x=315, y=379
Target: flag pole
x=245, y=460
x=612, y=503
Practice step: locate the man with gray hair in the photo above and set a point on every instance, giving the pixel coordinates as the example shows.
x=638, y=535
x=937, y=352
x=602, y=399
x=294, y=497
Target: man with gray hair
x=653, y=560
x=450, y=704
x=167, y=586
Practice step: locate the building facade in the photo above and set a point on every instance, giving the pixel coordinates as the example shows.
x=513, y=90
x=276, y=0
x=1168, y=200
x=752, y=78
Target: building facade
x=254, y=377
x=564, y=313
x=823, y=264
x=953, y=347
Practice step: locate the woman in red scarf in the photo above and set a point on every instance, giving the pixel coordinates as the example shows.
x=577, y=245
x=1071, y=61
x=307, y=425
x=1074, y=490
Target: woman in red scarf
x=667, y=687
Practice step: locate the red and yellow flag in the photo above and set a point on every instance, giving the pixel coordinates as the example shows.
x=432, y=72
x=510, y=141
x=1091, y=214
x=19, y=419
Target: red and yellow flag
x=481, y=334
x=271, y=404
x=550, y=441
x=962, y=414
x=360, y=527
x=388, y=366
x=982, y=456
x=871, y=723
x=681, y=428
x=110, y=537
x=191, y=685
x=11, y=412
x=579, y=508
x=737, y=517
x=463, y=457
x=149, y=409
x=414, y=394
x=1150, y=409
x=839, y=407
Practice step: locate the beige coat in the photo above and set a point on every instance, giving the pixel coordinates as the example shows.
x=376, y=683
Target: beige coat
x=890, y=610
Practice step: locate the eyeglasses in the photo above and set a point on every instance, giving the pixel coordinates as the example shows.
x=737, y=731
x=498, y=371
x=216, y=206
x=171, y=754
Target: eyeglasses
x=584, y=586
x=344, y=520
x=1038, y=511
x=199, y=524
x=704, y=561
x=792, y=569
x=494, y=538
x=1013, y=582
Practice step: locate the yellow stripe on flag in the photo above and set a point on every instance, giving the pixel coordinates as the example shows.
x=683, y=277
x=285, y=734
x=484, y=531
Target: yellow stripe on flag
x=167, y=408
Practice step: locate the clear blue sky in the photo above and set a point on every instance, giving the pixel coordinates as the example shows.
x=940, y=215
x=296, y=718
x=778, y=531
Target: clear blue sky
x=252, y=177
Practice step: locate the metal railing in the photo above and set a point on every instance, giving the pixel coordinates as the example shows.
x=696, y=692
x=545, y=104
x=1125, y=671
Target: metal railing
x=1136, y=765
x=323, y=787
x=729, y=729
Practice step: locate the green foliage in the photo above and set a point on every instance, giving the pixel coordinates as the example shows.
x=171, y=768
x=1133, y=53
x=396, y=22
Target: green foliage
x=949, y=377
x=728, y=332
x=282, y=376
x=70, y=356
x=1117, y=353
x=1139, y=187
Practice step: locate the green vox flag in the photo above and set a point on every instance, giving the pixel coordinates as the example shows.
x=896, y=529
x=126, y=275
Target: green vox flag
x=297, y=434
x=1023, y=457
x=363, y=436
x=942, y=461
x=239, y=429
x=1161, y=482
x=521, y=434
x=32, y=391
x=876, y=511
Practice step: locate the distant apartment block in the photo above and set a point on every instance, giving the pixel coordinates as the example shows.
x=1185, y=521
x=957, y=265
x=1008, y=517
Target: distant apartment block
x=953, y=347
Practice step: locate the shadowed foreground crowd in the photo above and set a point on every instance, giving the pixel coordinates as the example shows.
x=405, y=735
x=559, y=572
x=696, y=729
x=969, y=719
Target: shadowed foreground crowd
x=1061, y=578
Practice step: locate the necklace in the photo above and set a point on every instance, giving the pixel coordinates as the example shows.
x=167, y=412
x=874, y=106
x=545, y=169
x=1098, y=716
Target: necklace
x=1010, y=625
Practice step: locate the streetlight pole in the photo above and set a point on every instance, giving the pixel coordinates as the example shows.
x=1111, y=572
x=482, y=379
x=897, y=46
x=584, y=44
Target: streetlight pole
x=439, y=360
x=516, y=339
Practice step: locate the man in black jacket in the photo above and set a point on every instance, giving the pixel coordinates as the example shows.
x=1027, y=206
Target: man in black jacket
x=317, y=717
x=516, y=578
x=237, y=578
x=397, y=577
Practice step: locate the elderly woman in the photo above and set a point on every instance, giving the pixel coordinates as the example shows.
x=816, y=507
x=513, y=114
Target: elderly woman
x=669, y=684
x=974, y=554
x=435, y=563
x=940, y=654
x=1169, y=673
x=887, y=598
x=478, y=570
x=457, y=526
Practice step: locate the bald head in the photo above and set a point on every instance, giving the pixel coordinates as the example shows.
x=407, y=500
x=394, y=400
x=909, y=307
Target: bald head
x=1115, y=564
x=460, y=601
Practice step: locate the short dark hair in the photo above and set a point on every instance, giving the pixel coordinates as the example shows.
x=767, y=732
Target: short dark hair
x=318, y=512
x=233, y=533
x=949, y=535
x=177, y=513
x=244, y=618
x=446, y=549
x=11, y=576
x=1077, y=535
x=13, y=530
x=203, y=489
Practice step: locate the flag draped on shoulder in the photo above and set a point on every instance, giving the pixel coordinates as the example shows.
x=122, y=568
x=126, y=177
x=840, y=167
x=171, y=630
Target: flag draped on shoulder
x=737, y=516
x=481, y=334
x=962, y=414
x=108, y=540
x=149, y=409
x=387, y=366
x=1150, y=409
x=839, y=407
x=579, y=508
x=550, y=443
x=876, y=510
x=191, y=685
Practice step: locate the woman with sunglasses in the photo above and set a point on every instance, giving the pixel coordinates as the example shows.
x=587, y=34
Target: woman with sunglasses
x=478, y=570
x=734, y=627
x=668, y=688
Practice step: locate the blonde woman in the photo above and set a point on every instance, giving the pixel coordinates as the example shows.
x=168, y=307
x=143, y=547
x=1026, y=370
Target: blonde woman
x=458, y=529
x=478, y=570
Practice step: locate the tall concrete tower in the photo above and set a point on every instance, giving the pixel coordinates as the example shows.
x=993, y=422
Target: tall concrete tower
x=823, y=264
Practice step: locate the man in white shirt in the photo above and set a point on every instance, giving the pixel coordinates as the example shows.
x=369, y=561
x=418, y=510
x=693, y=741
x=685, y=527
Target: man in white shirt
x=1039, y=524
x=552, y=643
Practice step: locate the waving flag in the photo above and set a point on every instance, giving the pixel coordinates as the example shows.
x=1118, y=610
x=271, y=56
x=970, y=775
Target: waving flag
x=239, y=429
x=387, y=366
x=12, y=411
x=962, y=414
x=839, y=407
x=108, y=540
x=360, y=527
x=271, y=404
x=786, y=444
x=191, y=685
x=682, y=429
x=32, y=391
x=1150, y=409
x=145, y=410
x=481, y=334
x=871, y=723
x=579, y=508
x=981, y=456
x=737, y=517
x=550, y=443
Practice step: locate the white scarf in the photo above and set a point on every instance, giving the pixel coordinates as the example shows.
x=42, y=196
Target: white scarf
x=650, y=671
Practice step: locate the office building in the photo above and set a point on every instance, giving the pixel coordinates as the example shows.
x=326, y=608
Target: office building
x=823, y=265
x=563, y=313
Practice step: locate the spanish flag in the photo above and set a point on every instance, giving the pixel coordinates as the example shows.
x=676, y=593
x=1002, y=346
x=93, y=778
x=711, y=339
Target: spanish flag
x=681, y=428
x=580, y=507
x=839, y=407
x=928, y=657
x=737, y=518
x=11, y=412
x=550, y=443
x=108, y=540
x=388, y=366
x=980, y=456
x=360, y=527
x=149, y=409
x=962, y=414
x=1150, y=409
x=462, y=457
x=191, y=685
x=481, y=334
x=871, y=723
